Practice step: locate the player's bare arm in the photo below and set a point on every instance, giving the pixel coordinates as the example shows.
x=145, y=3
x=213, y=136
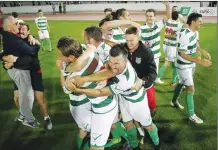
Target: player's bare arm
x=203, y=62
x=82, y=60
x=203, y=51
x=90, y=92
x=98, y=76
x=168, y=12
x=117, y=23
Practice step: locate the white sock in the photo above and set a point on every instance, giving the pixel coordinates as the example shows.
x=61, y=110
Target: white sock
x=141, y=131
x=45, y=117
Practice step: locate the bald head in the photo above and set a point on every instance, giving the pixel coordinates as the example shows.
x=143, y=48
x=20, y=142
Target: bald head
x=9, y=24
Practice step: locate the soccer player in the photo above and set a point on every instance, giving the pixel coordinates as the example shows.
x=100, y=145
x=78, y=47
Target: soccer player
x=107, y=11
x=180, y=17
x=93, y=35
x=103, y=109
x=133, y=104
x=186, y=62
x=43, y=29
x=150, y=32
x=173, y=28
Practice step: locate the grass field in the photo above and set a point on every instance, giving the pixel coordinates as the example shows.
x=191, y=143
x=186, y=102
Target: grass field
x=175, y=130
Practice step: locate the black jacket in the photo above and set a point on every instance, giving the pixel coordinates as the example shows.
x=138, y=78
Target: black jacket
x=142, y=60
x=14, y=45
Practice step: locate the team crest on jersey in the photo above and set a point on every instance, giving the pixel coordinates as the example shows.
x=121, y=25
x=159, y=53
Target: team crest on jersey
x=138, y=60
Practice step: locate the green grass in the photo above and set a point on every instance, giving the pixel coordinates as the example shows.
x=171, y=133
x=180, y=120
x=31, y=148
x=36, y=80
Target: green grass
x=176, y=131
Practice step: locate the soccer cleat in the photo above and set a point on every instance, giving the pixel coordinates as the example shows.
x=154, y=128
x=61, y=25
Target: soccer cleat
x=196, y=119
x=48, y=124
x=158, y=81
x=177, y=105
x=19, y=117
x=172, y=84
x=32, y=124
x=113, y=142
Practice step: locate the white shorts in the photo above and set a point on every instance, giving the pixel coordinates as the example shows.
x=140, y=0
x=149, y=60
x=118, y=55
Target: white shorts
x=82, y=116
x=101, y=127
x=186, y=76
x=138, y=111
x=43, y=35
x=156, y=60
x=170, y=53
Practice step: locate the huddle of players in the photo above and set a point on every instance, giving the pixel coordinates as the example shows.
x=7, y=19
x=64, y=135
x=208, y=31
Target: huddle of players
x=101, y=82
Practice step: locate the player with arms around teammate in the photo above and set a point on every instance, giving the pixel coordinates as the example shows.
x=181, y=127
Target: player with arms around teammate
x=133, y=104
x=101, y=113
x=186, y=62
x=43, y=29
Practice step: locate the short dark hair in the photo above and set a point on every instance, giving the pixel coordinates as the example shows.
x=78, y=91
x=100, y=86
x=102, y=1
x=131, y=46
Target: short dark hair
x=24, y=24
x=69, y=46
x=119, y=13
x=39, y=10
x=151, y=10
x=15, y=14
x=119, y=49
x=94, y=32
x=108, y=9
x=106, y=19
x=193, y=17
x=175, y=15
x=132, y=30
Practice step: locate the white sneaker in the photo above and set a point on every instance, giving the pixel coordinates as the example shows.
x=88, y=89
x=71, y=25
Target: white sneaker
x=177, y=105
x=158, y=81
x=196, y=119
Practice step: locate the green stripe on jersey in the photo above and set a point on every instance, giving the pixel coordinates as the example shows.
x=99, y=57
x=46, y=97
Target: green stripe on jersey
x=104, y=103
x=172, y=24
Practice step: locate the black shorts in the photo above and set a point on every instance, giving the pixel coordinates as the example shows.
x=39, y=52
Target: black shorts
x=36, y=80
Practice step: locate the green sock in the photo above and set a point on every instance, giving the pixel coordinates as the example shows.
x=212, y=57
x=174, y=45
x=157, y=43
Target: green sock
x=174, y=73
x=42, y=43
x=190, y=103
x=154, y=135
x=161, y=72
x=49, y=44
x=177, y=91
x=119, y=131
x=81, y=145
x=132, y=137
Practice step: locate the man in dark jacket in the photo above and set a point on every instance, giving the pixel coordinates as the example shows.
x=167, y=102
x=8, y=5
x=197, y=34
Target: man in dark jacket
x=36, y=79
x=20, y=73
x=142, y=60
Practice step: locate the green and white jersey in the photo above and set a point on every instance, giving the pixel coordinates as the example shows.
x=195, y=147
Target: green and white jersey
x=187, y=43
x=125, y=82
x=102, y=104
x=152, y=35
x=103, y=52
x=118, y=35
x=172, y=27
x=41, y=22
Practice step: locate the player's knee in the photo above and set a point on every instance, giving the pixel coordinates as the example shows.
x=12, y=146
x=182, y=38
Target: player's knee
x=190, y=89
x=166, y=63
x=129, y=125
x=82, y=134
x=150, y=127
x=114, y=126
x=40, y=98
